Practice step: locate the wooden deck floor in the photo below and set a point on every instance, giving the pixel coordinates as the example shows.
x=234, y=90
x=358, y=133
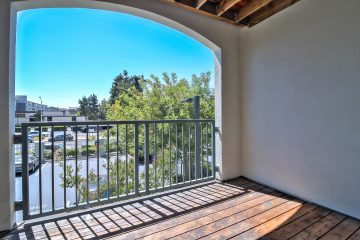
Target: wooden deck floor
x=240, y=209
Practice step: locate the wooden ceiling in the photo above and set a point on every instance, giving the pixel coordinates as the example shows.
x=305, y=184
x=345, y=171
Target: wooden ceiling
x=239, y=12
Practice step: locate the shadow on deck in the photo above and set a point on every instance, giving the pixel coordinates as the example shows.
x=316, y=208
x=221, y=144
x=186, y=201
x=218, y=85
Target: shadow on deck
x=237, y=209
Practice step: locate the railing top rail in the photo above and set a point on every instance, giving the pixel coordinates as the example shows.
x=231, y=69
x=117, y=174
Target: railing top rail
x=94, y=123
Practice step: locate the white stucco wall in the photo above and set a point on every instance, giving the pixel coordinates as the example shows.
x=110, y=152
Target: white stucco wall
x=7, y=99
x=300, y=74
x=221, y=37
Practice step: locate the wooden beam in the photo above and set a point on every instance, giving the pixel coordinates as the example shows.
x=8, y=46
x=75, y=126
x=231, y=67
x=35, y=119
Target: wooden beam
x=205, y=13
x=225, y=5
x=250, y=8
x=199, y=3
x=273, y=8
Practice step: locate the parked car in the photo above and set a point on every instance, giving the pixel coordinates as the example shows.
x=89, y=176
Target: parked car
x=33, y=163
x=60, y=137
x=33, y=134
x=92, y=129
x=46, y=135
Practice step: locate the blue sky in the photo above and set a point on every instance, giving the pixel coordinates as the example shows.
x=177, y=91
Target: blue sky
x=64, y=54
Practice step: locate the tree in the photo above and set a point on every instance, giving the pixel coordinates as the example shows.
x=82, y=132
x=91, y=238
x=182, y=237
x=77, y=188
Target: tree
x=103, y=108
x=122, y=83
x=93, y=107
x=150, y=99
x=37, y=116
x=89, y=107
x=160, y=99
x=83, y=106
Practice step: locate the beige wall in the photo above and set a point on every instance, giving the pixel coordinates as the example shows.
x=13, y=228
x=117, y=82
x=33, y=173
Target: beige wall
x=300, y=74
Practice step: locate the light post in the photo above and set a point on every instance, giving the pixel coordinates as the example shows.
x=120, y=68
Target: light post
x=41, y=111
x=197, y=171
x=196, y=102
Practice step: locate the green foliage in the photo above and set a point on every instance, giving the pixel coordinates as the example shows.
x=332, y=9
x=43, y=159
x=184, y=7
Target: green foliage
x=133, y=98
x=122, y=83
x=160, y=99
x=89, y=107
x=37, y=116
x=103, y=108
x=91, y=150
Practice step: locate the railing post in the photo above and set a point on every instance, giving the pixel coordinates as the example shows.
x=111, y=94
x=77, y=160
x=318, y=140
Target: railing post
x=197, y=150
x=196, y=101
x=25, y=173
x=185, y=165
x=136, y=158
x=146, y=157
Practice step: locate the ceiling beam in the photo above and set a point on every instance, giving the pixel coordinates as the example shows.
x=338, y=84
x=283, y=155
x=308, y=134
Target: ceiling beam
x=251, y=7
x=273, y=8
x=182, y=4
x=225, y=5
x=199, y=3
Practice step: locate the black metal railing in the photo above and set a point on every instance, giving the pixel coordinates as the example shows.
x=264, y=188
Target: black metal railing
x=72, y=165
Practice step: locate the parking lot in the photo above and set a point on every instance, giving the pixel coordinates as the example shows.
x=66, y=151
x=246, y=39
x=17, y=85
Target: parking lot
x=46, y=171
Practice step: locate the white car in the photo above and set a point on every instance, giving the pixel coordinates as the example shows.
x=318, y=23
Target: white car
x=33, y=163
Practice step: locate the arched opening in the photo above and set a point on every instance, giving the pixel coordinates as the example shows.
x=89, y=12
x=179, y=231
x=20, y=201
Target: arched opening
x=33, y=5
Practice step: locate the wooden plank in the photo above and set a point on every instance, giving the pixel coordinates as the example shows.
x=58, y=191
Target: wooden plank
x=320, y=228
x=266, y=227
x=271, y=9
x=140, y=233
x=225, y=5
x=199, y=3
x=291, y=229
x=342, y=231
x=250, y=8
x=228, y=220
x=249, y=223
x=239, y=212
x=204, y=12
x=355, y=236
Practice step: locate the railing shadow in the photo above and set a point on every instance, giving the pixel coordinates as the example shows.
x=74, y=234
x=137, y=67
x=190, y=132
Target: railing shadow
x=123, y=217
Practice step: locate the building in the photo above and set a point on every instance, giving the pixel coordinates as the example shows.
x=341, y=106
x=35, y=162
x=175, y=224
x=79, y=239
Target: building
x=25, y=110
x=62, y=115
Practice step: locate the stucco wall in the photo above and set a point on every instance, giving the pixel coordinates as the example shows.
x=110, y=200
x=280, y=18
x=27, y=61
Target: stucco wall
x=300, y=74
x=6, y=148
x=221, y=37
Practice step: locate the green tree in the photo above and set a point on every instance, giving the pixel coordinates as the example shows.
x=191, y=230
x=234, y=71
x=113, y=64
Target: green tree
x=150, y=99
x=89, y=107
x=122, y=83
x=93, y=107
x=103, y=108
x=37, y=116
x=160, y=99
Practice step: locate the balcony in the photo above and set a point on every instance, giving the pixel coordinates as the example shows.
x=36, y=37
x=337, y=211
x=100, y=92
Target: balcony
x=238, y=209
x=150, y=180
x=287, y=110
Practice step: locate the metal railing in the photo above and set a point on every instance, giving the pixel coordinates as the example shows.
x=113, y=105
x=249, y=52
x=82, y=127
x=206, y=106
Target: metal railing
x=72, y=165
